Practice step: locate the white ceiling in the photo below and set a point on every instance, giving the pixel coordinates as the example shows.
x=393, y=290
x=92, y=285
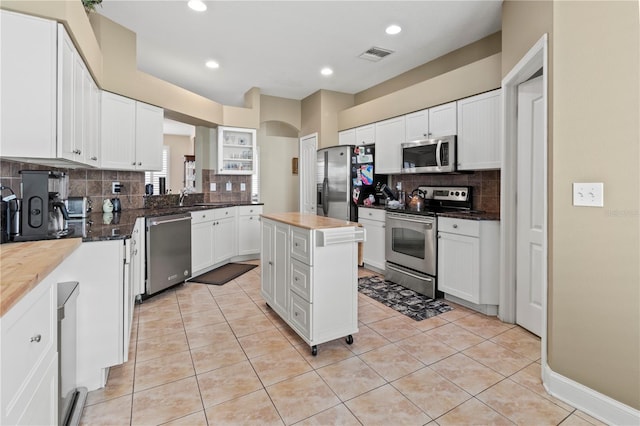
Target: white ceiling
x=280, y=46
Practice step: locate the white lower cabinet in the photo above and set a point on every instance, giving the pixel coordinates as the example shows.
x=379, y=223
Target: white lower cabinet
x=104, y=308
x=29, y=367
x=249, y=230
x=213, y=238
x=468, y=262
x=373, y=221
x=311, y=286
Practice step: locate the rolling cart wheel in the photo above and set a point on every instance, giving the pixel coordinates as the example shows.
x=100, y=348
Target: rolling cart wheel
x=349, y=339
x=314, y=350
x=268, y=305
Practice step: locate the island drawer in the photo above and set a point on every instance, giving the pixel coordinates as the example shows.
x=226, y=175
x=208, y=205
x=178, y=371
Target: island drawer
x=301, y=279
x=301, y=244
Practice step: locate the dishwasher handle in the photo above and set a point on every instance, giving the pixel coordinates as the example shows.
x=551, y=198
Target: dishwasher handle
x=161, y=221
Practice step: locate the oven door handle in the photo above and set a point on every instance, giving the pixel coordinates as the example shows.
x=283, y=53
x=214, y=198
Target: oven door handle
x=428, y=223
x=439, y=154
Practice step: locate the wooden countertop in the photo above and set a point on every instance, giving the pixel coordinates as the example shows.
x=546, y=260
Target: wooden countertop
x=308, y=220
x=24, y=265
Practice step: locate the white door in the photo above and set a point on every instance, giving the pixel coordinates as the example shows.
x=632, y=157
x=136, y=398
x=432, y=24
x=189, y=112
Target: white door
x=530, y=206
x=307, y=173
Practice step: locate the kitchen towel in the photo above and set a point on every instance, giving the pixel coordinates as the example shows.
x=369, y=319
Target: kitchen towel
x=223, y=274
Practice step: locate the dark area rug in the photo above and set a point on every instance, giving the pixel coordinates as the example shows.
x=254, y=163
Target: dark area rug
x=414, y=305
x=223, y=274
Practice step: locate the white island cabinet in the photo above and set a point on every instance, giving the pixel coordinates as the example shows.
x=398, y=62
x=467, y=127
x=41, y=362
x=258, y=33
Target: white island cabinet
x=310, y=274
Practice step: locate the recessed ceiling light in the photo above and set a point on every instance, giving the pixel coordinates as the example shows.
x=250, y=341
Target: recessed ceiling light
x=197, y=5
x=393, y=29
x=212, y=64
x=326, y=71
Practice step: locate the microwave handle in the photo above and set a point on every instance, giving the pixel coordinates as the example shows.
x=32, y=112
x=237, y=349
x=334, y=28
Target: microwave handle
x=439, y=154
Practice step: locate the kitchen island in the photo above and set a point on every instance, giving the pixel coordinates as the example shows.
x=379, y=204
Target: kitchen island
x=309, y=274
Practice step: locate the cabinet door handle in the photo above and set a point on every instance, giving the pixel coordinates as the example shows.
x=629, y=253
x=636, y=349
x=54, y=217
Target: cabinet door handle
x=94, y=158
x=455, y=225
x=133, y=164
x=296, y=279
x=139, y=163
x=36, y=338
x=271, y=263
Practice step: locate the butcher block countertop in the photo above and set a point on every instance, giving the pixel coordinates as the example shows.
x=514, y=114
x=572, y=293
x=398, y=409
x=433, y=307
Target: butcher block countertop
x=24, y=265
x=309, y=220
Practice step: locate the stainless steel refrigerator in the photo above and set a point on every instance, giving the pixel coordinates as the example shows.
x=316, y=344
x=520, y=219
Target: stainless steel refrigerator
x=346, y=179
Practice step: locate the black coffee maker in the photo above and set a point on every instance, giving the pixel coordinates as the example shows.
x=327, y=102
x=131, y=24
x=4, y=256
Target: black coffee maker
x=43, y=213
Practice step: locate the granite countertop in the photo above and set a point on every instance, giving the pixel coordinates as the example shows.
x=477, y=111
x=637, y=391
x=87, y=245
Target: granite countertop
x=469, y=214
x=309, y=220
x=101, y=226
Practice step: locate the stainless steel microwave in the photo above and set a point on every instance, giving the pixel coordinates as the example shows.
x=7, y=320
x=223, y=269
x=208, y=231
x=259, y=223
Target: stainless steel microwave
x=429, y=155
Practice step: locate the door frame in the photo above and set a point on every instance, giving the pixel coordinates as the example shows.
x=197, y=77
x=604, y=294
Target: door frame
x=533, y=60
x=302, y=170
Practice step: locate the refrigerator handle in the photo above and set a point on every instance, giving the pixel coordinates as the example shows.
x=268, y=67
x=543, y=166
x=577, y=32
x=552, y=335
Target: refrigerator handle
x=325, y=196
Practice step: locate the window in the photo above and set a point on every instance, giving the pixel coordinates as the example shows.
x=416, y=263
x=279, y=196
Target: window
x=154, y=177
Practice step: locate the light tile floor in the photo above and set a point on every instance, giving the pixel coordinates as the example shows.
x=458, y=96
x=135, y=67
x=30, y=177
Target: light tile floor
x=216, y=355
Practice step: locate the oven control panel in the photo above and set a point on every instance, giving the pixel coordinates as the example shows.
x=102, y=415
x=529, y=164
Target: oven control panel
x=446, y=193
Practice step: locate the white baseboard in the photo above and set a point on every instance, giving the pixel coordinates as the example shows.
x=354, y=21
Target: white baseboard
x=585, y=399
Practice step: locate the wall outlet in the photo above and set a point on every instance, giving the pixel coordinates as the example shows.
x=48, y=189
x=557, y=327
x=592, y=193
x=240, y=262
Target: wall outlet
x=228, y=186
x=243, y=186
x=212, y=187
x=588, y=194
x=115, y=187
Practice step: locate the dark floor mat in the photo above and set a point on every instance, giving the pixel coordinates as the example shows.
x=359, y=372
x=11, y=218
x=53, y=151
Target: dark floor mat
x=223, y=274
x=406, y=301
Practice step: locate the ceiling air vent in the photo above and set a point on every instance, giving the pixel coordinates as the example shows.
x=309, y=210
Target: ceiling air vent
x=375, y=54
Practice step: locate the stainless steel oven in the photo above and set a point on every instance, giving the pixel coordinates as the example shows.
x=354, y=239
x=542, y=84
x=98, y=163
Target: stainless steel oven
x=410, y=251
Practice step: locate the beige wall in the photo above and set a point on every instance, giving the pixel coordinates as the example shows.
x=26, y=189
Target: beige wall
x=283, y=110
x=482, y=48
x=279, y=188
x=594, y=337
x=477, y=77
x=310, y=114
x=179, y=146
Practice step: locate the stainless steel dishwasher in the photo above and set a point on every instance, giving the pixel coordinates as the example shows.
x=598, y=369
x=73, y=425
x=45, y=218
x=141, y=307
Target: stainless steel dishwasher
x=168, y=251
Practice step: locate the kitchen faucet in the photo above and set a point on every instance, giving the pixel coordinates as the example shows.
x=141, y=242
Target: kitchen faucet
x=183, y=193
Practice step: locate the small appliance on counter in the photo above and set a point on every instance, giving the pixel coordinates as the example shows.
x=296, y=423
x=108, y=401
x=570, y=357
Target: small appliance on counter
x=117, y=205
x=78, y=207
x=43, y=212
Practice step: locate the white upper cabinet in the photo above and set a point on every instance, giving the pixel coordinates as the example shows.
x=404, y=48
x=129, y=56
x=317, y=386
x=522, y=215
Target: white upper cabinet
x=417, y=125
x=442, y=120
x=45, y=82
x=28, y=60
x=236, y=151
x=132, y=134
x=365, y=135
x=389, y=137
x=347, y=137
x=118, y=132
x=149, y=136
x=479, y=131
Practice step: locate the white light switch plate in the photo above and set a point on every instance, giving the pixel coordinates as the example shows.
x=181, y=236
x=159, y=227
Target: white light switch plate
x=243, y=186
x=212, y=187
x=588, y=194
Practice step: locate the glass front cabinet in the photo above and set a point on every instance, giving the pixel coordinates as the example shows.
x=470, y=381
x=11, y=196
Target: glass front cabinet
x=236, y=151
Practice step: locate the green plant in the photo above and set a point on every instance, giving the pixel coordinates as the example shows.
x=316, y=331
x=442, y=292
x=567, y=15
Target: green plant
x=90, y=5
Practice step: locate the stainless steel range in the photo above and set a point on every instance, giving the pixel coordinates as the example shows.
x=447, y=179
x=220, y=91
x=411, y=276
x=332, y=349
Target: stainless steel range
x=411, y=240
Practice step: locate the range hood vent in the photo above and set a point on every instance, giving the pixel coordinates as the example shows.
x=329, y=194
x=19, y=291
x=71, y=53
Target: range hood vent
x=375, y=54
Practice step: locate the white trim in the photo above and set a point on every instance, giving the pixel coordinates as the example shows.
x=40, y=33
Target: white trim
x=300, y=197
x=579, y=396
x=535, y=59
x=585, y=399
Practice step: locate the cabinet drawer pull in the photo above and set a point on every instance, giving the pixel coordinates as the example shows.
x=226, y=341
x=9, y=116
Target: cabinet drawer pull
x=271, y=263
x=36, y=338
x=296, y=279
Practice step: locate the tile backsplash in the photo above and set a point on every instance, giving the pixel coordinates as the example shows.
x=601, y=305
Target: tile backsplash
x=485, y=184
x=96, y=184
